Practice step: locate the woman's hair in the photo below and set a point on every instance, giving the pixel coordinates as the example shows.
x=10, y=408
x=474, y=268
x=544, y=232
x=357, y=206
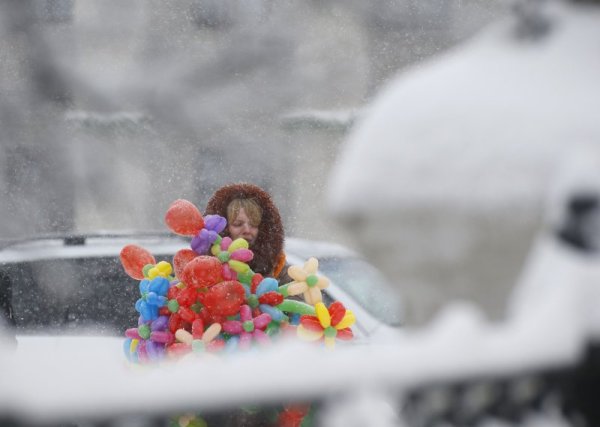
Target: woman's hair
x=250, y=206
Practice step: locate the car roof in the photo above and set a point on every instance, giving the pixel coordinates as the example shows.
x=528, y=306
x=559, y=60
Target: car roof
x=316, y=248
x=88, y=245
x=82, y=245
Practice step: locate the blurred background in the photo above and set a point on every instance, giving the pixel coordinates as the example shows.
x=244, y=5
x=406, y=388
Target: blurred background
x=110, y=110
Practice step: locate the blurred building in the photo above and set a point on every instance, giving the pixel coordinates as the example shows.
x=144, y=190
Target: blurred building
x=144, y=102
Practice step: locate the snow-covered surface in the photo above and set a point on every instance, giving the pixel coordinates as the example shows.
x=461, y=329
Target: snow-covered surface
x=486, y=123
x=78, y=377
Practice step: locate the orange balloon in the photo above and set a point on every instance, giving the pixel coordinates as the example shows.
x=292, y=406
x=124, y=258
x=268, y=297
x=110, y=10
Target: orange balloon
x=181, y=259
x=134, y=258
x=184, y=218
x=202, y=272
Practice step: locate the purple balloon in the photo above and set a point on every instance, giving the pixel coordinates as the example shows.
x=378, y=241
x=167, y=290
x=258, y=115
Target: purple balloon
x=215, y=223
x=160, y=324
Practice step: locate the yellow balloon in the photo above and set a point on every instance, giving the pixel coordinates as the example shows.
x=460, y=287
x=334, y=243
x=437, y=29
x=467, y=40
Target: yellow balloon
x=347, y=320
x=133, y=345
x=323, y=315
x=238, y=244
x=165, y=268
x=238, y=266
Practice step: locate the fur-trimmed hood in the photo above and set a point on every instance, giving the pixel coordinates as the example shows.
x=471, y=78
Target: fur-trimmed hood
x=268, y=247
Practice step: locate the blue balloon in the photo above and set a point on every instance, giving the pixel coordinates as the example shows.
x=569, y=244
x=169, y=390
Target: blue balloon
x=266, y=285
x=275, y=313
x=159, y=285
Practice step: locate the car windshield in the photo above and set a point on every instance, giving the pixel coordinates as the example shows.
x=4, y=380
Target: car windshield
x=366, y=285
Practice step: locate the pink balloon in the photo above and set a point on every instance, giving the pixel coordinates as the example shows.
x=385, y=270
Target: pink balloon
x=243, y=255
x=262, y=320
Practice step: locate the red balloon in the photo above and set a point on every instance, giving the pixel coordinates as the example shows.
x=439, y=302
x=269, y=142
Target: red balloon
x=345, y=334
x=202, y=272
x=225, y=298
x=173, y=292
x=134, y=258
x=311, y=323
x=197, y=328
x=178, y=349
x=255, y=281
x=271, y=298
x=175, y=322
x=187, y=315
x=184, y=218
x=187, y=297
x=337, y=311
x=181, y=258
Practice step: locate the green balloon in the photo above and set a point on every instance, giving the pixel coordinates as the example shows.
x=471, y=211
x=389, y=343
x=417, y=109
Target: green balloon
x=283, y=290
x=173, y=305
x=146, y=268
x=293, y=306
x=144, y=331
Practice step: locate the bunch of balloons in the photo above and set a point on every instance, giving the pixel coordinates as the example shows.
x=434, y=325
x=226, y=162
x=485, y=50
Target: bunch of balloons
x=208, y=300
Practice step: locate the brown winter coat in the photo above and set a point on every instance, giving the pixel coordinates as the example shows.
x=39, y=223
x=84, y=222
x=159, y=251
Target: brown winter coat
x=269, y=258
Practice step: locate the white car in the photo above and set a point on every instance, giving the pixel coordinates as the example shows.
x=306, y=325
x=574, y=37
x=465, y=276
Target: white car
x=76, y=284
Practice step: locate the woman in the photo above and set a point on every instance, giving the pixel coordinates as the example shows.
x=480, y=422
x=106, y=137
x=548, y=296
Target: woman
x=252, y=215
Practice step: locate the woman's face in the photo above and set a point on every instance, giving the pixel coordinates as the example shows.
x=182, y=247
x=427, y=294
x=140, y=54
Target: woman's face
x=242, y=227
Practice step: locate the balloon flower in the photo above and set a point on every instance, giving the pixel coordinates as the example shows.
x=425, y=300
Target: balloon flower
x=213, y=225
x=248, y=328
x=306, y=282
x=153, y=297
x=147, y=342
x=328, y=325
x=198, y=340
x=263, y=298
x=234, y=255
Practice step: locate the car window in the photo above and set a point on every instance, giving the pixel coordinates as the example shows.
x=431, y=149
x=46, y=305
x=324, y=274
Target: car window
x=70, y=295
x=366, y=285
